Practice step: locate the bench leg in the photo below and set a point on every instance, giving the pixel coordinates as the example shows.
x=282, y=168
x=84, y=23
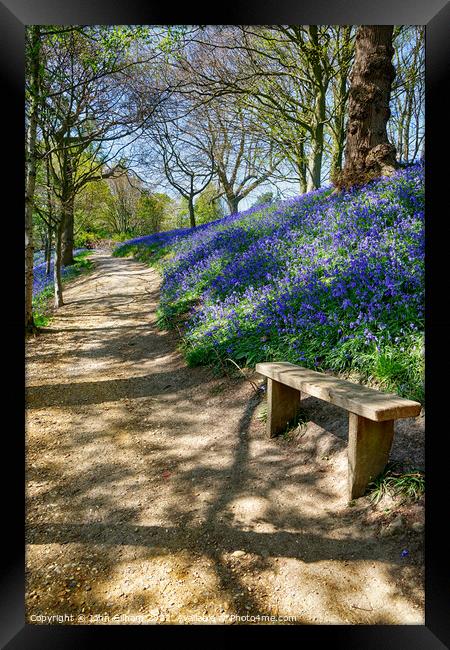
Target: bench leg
x=283, y=403
x=369, y=444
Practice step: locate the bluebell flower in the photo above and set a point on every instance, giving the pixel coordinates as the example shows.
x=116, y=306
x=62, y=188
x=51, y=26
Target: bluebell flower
x=302, y=271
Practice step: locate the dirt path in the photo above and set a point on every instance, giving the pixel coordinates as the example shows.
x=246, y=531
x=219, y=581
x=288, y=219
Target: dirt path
x=154, y=496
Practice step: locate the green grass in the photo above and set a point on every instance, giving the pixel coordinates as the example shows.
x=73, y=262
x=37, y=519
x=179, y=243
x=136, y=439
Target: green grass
x=408, y=485
x=295, y=427
x=261, y=414
x=150, y=255
x=82, y=261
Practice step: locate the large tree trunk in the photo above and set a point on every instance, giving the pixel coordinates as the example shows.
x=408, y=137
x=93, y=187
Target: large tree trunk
x=230, y=197
x=57, y=265
x=368, y=151
x=233, y=203
x=31, y=175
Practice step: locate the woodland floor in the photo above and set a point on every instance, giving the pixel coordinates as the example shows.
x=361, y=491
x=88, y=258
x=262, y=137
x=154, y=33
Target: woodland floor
x=154, y=495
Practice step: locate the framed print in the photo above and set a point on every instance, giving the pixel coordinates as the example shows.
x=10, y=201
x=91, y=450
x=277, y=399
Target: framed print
x=235, y=261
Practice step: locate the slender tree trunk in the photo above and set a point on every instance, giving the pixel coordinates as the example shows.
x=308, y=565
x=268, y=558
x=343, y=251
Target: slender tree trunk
x=31, y=174
x=191, y=211
x=337, y=156
x=303, y=180
x=48, y=250
x=301, y=167
x=316, y=156
x=68, y=223
x=417, y=143
x=321, y=84
x=340, y=100
x=67, y=234
x=57, y=264
x=407, y=126
x=339, y=136
x=368, y=151
x=315, y=163
x=400, y=136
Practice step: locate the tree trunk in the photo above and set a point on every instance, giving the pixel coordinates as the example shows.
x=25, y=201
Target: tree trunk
x=57, y=265
x=407, y=126
x=191, y=211
x=233, y=203
x=301, y=167
x=339, y=134
x=303, y=180
x=48, y=250
x=400, y=137
x=317, y=143
x=67, y=234
x=340, y=100
x=336, y=159
x=68, y=207
x=31, y=174
x=315, y=163
x=321, y=84
x=368, y=151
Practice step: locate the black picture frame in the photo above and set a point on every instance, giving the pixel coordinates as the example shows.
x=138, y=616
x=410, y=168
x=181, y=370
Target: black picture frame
x=435, y=14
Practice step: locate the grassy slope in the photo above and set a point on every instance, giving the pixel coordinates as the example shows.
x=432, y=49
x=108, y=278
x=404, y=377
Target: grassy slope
x=42, y=300
x=329, y=282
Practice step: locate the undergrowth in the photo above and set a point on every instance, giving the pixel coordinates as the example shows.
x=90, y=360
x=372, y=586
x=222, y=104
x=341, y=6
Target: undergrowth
x=409, y=485
x=42, y=300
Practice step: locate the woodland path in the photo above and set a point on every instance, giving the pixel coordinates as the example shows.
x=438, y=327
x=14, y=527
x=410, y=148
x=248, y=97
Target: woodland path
x=153, y=494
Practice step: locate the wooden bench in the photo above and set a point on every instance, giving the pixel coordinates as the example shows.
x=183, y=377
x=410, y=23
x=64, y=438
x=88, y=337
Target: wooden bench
x=371, y=415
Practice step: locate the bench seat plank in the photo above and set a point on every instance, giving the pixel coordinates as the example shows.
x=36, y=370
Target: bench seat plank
x=361, y=400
